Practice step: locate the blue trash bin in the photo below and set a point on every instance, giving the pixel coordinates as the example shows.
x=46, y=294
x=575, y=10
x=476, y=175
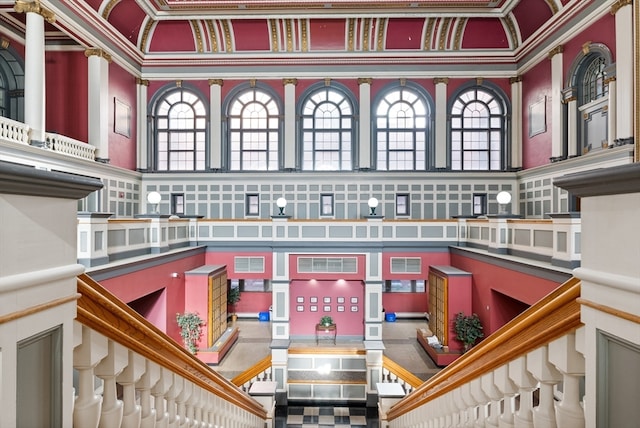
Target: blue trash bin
x=390, y=317
x=263, y=316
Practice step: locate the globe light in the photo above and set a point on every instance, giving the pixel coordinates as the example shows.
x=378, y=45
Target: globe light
x=154, y=199
x=281, y=203
x=503, y=197
x=373, y=203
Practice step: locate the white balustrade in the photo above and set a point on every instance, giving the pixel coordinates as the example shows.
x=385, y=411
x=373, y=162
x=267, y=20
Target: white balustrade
x=14, y=131
x=70, y=147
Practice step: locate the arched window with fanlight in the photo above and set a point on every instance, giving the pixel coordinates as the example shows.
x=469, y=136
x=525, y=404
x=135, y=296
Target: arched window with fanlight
x=254, y=127
x=403, y=128
x=181, y=120
x=327, y=128
x=478, y=129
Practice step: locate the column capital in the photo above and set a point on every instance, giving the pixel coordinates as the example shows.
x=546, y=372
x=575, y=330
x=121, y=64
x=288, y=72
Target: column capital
x=365, y=80
x=218, y=82
x=142, y=82
x=439, y=80
x=619, y=5
x=327, y=81
x=24, y=7
x=557, y=50
x=4, y=43
x=609, y=79
x=97, y=52
x=515, y=79
x=289, y=81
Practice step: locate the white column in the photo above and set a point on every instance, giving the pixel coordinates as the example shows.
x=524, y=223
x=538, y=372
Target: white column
x=572, y=121
x=624, y=67
x=365, y=143
x=142, y=161
x=516, y=122
x=289, y=152
x=98, y=104
x=440, y=135
x=555, y=55
x=34, y=76
x=215, y=124
x=612, y=114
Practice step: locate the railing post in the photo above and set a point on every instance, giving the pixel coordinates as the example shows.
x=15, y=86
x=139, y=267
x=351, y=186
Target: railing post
x=490, y=389
x=526, y=384
x=90, y=350
x=160, y=391
x=482, y=399
x=539, y=365
x=108, y=369
x=563, y=354
x=509, y=390
x=150, y=378
x=127, y=379
x=174, y=391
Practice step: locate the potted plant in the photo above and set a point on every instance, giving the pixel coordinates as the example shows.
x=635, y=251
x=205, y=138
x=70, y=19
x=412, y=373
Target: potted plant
x=326, y=321
x=190, y=325
x=468, y=329
x=233, y=297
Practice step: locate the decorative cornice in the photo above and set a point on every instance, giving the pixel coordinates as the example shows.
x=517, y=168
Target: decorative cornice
x=619, y=5
x=35, y=7
x=515, y=79
x=97, y=52
x=142, y=82
x=218, y=82
x=437, y=80
x=557, y=50
x=289, y=81
x=365, y=80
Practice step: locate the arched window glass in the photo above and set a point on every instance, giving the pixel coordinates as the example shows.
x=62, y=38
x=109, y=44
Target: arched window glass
x=254, y=129
x=181, y=129
x=327, y=119
x=402, y=126
x=477, y=131
x=593, y=86
x=3, y=96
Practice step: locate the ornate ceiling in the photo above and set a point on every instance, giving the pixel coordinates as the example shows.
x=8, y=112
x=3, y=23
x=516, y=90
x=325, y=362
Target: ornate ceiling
x=164, y=34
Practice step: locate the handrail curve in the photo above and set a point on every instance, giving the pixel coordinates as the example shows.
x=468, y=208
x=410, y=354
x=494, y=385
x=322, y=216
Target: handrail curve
x=103, y=312
x=401, y=372
x=555, y=315
x=252, y=372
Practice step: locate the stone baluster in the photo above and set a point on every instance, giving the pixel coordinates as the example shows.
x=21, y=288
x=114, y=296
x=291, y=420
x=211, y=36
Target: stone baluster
x=471, y=403
x=509, y=390
x=127, y=379
x=160, y=393
x=108, y=369
x=564, y=356
x=461, y=408
x=540, y=367
x=174, y=391
x=207, y=410
x=90, y=349
x=526, y=384
x=482, y=399
x=149, y=379
x=194, y=407
x=181, y=402
x=490, y=389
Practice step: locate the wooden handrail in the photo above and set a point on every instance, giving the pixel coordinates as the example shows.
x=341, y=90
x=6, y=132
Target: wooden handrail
x=252, y=372
x=401, y=372
x=555, y=315
x=103, y=312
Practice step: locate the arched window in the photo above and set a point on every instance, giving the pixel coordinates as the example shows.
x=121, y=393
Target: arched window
x=181, y=130
x=327, y=127
x=477, y=130
x=11, y=85
x=402, y=129
x=593, y=86
x=254, y=124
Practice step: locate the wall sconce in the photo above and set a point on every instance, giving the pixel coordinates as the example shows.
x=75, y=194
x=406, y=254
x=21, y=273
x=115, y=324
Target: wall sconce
x=175, y=275
x=503, y=198
x=154, y=199
x=373, y=204
x=281, y=203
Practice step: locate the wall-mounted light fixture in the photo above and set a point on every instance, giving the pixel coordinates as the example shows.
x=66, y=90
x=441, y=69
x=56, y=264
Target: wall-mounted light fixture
x=373, y=204
x=281, y=203
x=175, y=275
x=503, y=198
x=154, y=199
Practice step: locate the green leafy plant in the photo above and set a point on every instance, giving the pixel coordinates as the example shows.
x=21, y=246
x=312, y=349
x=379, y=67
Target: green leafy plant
x=233, y=297
x=190, y=324
x=326, y=320
x=468, y=329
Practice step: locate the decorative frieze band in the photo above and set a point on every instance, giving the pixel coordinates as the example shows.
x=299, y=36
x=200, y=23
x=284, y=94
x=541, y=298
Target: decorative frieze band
x=24, y=7
x=97, y=52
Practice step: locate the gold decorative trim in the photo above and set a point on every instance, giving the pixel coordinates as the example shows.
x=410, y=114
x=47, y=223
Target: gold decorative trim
x=179, y=83
x=457, y=41
x=290, y=81
x=218, y=82
x=438, y=80
x=252, y=83
x=142, y=82
x=97, y=52
x=444, y=31
x=479, y=81
x=145, y=36
x=198, y=34
x=428, y=34
x=34, y=7
x=403, y=81
x=609, y=80
x=275, y=46
x=351, y=23
x=552, y=5
x=366, y=29
x=108, y=8
x=213, y=38
x=572, y=98
x=512, y=31
x=515, y=79
x=365, y=80
x=289, y=35
x=555, y=51
x=304, y=35
x=382, y=23
x=586, y=48
x=327, y=81
x=4, y=43
x=619, y=5
x=227, y=35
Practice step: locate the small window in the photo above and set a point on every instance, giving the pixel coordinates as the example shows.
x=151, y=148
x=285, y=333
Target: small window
x=177, y=203
x=402, y=204
x=251, y=285
x=479, y=204
x=326, y=205
x=252, y=204
x=404, y=286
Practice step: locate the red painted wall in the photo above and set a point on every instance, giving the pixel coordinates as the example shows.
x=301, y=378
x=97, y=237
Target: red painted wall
x=602, y=31
x=122, y=149
x=67, y=94
x=406, y=302
x=523, y=288
x=158, y=279
x=536, y=84
x=348, y=322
